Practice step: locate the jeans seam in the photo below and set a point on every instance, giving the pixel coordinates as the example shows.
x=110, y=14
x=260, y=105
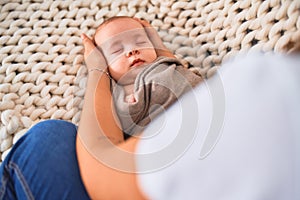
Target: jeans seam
x=24, y=184
x=3, y=183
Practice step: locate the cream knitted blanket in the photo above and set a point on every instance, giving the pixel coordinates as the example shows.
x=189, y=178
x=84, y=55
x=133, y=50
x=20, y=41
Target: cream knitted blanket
x=41, y=72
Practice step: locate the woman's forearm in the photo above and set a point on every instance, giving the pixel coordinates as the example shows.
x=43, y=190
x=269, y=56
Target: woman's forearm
x=99, y=134
x=98, y=119
x=102, y=180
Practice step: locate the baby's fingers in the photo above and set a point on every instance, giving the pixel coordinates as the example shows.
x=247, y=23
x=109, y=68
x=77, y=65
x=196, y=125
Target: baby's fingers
x=143, y=22
x=88, y=45
x=92, y=56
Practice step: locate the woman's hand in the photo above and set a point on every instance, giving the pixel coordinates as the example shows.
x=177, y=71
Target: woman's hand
x=92, y=55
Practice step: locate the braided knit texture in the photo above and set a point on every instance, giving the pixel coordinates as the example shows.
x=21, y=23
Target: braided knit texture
x=42, y=75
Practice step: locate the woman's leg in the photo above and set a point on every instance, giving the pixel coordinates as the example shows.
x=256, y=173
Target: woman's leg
x=43, y=164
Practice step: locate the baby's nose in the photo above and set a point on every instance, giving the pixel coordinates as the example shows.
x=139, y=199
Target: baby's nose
x=133, y=52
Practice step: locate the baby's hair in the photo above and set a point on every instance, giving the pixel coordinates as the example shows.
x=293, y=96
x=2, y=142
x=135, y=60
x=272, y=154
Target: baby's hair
x=108, y=21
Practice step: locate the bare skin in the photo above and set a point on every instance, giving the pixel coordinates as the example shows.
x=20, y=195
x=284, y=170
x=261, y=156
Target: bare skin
x=99, y=131
x=120, y=66
x=98, y=119
x=101, y=181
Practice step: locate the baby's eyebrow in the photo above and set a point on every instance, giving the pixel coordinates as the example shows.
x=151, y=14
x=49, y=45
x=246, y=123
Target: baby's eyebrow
x=115, y=43
x=137, y=35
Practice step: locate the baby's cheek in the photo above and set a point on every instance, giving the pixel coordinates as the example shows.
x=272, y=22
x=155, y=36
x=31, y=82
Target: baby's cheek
x=116, y=70
x=150, y=55
x=114, y=74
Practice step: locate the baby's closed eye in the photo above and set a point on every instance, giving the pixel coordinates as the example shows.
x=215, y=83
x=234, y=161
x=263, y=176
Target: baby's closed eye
x=141, y=40
x=143, y=43
x=116, y=50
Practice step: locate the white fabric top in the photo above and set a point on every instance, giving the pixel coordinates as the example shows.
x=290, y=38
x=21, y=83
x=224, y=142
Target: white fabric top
x=234, y=137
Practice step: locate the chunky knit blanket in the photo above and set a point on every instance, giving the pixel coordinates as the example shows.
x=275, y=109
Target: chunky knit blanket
x=42, y=75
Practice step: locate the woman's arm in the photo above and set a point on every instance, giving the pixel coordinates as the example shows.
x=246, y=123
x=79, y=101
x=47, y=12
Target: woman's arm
x=98, y=134
x=97, y=118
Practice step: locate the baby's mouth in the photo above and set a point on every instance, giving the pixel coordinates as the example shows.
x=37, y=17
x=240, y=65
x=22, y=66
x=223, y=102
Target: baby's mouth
x=137, y=62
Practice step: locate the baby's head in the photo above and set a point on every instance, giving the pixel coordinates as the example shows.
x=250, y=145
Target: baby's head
x=124, y=44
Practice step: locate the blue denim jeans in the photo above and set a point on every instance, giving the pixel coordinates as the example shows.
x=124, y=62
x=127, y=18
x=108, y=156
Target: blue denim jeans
x=43, y=165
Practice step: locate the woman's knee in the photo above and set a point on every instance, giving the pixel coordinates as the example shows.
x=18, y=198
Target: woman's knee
x=45, y=135
x=46, y=156
x=51, y=128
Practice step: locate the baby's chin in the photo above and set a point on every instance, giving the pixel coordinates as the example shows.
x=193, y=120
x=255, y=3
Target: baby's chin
x=130, y=76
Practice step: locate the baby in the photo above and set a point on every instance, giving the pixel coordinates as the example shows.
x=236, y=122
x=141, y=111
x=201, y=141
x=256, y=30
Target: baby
x=146, y=76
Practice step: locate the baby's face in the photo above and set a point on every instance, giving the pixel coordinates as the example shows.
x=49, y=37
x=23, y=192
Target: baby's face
x=125, y=45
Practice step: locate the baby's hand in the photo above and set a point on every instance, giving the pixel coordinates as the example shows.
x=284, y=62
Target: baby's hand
x=156, y=41
x=130, y=98
x=143, y=22
x=92, y=55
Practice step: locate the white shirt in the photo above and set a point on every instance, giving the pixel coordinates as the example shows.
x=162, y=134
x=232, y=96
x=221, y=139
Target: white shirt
x=234, y=137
